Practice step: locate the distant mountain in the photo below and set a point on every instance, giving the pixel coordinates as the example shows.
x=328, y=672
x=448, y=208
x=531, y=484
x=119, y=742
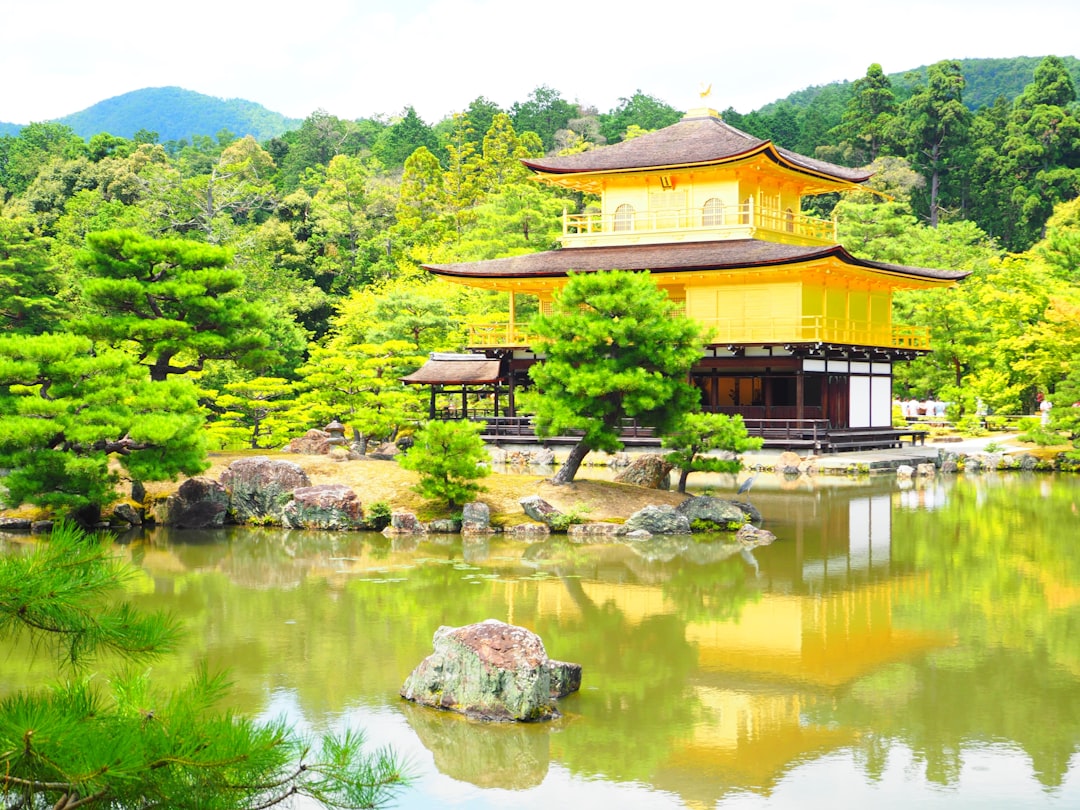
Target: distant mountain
x=174, y=114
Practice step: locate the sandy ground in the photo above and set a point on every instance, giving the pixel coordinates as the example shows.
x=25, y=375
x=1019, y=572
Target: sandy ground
x=374, y=480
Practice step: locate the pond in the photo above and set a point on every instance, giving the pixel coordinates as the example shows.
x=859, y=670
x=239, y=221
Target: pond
x=894, y=647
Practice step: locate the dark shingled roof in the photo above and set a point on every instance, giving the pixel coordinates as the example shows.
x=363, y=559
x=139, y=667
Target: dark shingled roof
x=461, y=369
x=679, y=257
x=691, y=141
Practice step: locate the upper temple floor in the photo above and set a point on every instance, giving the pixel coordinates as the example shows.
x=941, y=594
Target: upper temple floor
x=697, y=180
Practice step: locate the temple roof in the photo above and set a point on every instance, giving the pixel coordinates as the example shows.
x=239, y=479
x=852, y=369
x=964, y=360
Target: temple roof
x=698, y=139
x=445, y=369
x=729, y=254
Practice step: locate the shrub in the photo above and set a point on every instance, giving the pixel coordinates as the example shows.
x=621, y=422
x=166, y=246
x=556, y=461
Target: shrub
x=449, y=457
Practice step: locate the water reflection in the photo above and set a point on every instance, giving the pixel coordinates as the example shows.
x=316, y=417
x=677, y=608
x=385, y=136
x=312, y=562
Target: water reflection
x=934, y=626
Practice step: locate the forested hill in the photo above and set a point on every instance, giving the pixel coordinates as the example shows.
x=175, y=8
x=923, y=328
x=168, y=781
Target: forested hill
x=985, y=80
x=174, y=114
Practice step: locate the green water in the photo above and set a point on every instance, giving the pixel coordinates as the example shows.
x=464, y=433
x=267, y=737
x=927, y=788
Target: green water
x=894, y=648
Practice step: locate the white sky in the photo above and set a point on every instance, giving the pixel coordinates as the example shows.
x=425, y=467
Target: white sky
x=368, y=57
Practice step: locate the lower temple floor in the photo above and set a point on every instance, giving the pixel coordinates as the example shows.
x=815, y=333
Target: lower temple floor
x=817, y=397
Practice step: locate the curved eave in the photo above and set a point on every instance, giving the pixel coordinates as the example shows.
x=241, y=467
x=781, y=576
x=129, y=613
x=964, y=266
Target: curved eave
x=508, y=274
x=591, y=180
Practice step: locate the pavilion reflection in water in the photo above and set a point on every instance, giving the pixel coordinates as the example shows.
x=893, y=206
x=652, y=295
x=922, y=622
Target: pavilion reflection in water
x=824, y=620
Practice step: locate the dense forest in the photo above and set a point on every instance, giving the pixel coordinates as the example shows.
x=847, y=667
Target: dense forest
x=266, y=287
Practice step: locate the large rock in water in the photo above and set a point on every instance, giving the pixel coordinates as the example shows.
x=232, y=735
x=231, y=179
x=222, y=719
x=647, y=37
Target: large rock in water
x=260, y=487
x=722, y=515
x=491, y=671
x=658, y=520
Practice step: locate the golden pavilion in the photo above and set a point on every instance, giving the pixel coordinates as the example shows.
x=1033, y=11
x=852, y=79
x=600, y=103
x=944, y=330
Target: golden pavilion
x=802, y=341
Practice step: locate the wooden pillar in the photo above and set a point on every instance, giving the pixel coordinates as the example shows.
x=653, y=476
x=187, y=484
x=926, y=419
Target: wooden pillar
x=511, y=328
x=800, y=394
x=431, y=406
x=464, y=401
x=510, y=395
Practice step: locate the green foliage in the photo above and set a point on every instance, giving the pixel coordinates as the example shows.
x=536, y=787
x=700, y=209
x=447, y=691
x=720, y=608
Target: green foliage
x=402, y=138
x=247, y=410
x=704, y=525
x=867, y=116
x=360, y=385
x=699, y=433
x=573, y=516
x=28, y=283
x=170, y=298
x=641, y=110
x=121, y=742
x=68, y=409
x=450, y=457
x=377, y=516
x=545, y=112
x=1065, y=415
x=614, y=349
x=931, y=127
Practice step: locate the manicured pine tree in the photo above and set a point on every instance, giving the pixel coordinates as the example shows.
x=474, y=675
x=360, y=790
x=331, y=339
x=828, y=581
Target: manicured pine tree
x=614, y=349
x=173, y=301
x=69, y=410
x=701, y=433
x=449, y=457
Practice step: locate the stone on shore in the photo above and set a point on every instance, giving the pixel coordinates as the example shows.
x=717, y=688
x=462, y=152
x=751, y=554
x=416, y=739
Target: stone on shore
x=713, y=512
x=647, y=470
x=199, y=503
x=324, y=506
x=540, y=510
x=259, y=487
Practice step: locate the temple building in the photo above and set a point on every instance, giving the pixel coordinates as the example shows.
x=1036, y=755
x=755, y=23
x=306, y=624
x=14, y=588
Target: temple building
x=801, y=339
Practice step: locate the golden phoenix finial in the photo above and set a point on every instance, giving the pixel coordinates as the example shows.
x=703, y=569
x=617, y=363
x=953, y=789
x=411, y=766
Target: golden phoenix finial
x=705, y=89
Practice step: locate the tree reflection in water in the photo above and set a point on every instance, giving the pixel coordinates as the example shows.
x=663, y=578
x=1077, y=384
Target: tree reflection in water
x=937, y=622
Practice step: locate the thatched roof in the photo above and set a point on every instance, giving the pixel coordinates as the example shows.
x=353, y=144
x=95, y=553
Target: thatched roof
x=454, y=369
x=693, y=141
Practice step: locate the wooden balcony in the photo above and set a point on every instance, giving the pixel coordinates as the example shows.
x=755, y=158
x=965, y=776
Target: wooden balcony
x=744, y=221
x=817, y=329
x=808, y=329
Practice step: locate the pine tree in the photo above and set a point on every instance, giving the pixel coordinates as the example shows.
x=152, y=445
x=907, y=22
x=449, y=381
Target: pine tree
x=701, y=433
x=175, y=300
x=614, y=349
x=122, y=742
x=70, y=410
x=449, y=457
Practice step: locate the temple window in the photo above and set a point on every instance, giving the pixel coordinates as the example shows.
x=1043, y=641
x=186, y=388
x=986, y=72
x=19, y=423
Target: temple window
x=624, y=217
x=712, y=213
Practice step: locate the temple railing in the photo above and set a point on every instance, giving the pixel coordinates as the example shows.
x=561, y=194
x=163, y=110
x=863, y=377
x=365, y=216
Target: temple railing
x=806, y=329
x=728, y=222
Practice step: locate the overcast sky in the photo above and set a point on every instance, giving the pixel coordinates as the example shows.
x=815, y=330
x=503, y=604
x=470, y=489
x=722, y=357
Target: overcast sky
x=371, y=57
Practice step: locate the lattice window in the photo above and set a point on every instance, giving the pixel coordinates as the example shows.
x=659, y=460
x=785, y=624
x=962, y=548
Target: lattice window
x=712, y=213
